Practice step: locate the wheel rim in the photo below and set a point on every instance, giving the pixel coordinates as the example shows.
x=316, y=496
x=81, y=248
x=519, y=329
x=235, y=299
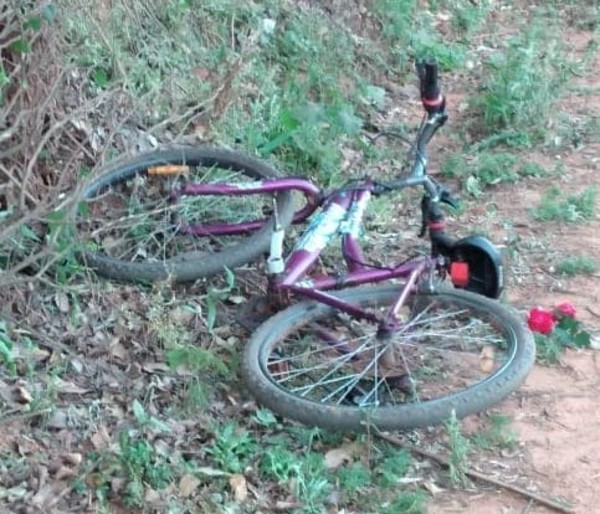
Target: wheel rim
x=444, y=347
x=138, y=218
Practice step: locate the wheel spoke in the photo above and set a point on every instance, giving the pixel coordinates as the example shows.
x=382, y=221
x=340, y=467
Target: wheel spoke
x=132, y=220
x=438, y=350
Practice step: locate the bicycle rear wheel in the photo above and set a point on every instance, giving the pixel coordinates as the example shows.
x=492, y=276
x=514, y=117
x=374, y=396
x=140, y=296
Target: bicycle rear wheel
x=455, y=351
x=131, y=228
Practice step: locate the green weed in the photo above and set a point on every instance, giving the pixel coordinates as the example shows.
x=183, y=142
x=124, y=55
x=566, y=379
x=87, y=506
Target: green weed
x=413, y=35
x=353, y=479
x=265, y=418
x=483, y=169
x=393, y=467
x=145, y=420
x=459, y=450
x=498, y=434
x=279, y=464
x=523, y=82
x=311, y=484
x=135, y=464
x=555, y=206
x=577, y=265
x=141, y=466
x=196, y=359
x=409, y=502
x=467, y=17
x=233, y=448
x=159, y=68
x=577, y=132
x=6, y=346
x=305, y=476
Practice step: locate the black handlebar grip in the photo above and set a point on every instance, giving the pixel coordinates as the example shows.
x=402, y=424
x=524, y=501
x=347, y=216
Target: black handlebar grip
x=430, y=90
x=430, y=87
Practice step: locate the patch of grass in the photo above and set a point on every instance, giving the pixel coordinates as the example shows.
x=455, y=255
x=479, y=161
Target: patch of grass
x=459, y=450
x=133, y=466
x=6, y=345
x=413, y=34
x=279, y=464
x=483, y=169
x=467, y=16
x=303, y=475
x=196, y=359
x=233, y=448
x=577, y=265
x=162, y=69
x=141, y=466
x=172, y=325
x=497, y=434
x=311, y=485
x=393, y=467
x=300, y=468
x=197, y=394
x=354, y=479
x=522, y=82
x=556, y=206
x=408, y=502
x=582, y=15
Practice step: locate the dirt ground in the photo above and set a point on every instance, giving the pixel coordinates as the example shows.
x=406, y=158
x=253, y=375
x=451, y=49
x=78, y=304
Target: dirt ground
x=557, y=418
x=556, y=413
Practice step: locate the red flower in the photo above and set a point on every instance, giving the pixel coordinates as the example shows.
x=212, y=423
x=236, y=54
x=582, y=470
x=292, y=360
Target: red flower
x=564, y=310
x=541, y=320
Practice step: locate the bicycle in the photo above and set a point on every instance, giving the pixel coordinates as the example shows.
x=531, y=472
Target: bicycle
x=396, y=356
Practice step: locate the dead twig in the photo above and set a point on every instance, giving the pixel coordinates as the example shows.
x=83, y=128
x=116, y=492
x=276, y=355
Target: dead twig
x=18, y=415
x=552, y=504
x=592, y=312
x=52, y=131
x=12, y=178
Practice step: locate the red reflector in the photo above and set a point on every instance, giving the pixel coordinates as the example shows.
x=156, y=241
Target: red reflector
x=459, y=274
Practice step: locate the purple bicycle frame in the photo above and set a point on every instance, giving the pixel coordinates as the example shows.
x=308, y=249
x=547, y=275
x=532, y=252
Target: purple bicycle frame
x=341, y=215
x=311, y=193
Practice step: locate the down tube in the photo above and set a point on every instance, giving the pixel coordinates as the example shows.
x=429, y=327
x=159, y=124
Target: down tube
x=319, y=233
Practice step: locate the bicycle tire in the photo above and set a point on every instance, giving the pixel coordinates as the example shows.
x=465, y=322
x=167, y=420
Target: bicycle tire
x=259, y=372
x=189, y=265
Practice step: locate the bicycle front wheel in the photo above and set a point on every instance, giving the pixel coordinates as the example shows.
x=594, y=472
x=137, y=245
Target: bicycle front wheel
x=134, y=225
x=454, y=351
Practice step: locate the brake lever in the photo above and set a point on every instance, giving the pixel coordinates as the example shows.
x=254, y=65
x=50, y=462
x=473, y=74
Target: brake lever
x=447, y=198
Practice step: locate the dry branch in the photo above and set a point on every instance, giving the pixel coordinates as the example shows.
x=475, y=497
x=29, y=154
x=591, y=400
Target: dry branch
x=552, y=504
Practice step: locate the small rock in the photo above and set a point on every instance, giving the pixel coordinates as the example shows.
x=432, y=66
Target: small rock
x=72, y=459
x=22, y=395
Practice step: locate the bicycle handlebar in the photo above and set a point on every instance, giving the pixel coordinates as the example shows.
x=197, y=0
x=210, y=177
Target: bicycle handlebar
x=431, y=96
x=435, y=105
